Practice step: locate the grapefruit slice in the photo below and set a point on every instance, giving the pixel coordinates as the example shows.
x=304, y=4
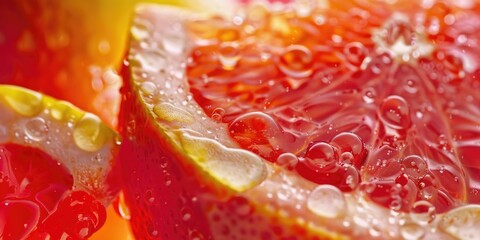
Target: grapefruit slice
x=298, y=121
x=57, y=167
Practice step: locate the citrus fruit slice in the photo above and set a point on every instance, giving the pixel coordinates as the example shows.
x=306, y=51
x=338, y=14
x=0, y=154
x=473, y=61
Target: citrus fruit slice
x=56, y=167
x=303, y=120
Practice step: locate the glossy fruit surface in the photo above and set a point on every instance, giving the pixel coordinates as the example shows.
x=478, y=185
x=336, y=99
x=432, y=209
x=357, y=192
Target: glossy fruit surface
x=57, y=168
x=359, y=109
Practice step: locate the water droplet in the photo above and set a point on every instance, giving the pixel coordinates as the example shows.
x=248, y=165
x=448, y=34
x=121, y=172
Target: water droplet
x=355, y=53
x=151, y=60
x=327, y=201
x=296, y=62
x=168, y=112
x=148, y=88
x=369, y=95
x=414, y=166
x=121, y=207
x=89, y=133
x=217, y=114
x=36, y=129
x=351, y=147
x=462, y=222
x=140, y=30
x=174, y=43
x=228, y=55
x=168, y=180
x=395, y=112
x=320, y=155
x=186, y=214
x=422, y=212
x=412, y=231
x=287, y=160
x=24, y=102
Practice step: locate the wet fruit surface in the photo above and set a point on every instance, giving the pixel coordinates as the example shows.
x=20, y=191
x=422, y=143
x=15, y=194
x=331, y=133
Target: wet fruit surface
x=309, y=124
x=382, y=99
x=37, y=199
x=56, y=168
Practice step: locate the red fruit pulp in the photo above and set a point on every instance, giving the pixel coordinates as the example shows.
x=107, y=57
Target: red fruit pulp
x=37, y=201
x=359, y=92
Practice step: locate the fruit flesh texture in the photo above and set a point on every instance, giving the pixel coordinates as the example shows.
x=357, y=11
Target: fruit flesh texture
x=57, y=167
x=37, y=198
x=386, y=98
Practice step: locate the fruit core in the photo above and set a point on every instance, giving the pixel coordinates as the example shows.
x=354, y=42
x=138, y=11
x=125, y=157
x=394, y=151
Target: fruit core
x=37, y=199
x=377, y=97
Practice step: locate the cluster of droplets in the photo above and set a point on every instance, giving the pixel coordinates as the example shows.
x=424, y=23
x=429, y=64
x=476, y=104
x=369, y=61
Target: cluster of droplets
x=366, y=106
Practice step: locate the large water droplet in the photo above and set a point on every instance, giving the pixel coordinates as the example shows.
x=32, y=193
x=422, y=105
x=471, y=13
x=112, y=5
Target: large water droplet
x=412, y=231
x=327, y=201
x=36, y=129
x=296, y=61
x=228, y=55
x=89, y=133
x=395, y=112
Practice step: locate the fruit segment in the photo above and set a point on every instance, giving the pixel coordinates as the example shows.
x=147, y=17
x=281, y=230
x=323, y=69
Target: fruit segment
x=57, y=168
x=363, y=113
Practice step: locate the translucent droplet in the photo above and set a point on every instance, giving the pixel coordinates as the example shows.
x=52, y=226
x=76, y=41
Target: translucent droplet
x=414, y=166
x=151, y=60
x=228, y=55
x=422, y=212
x=296, y=62
x=168, y=112
x=369, y=95
x=186, y=214
x=412, y=231
x=462, y=222
x=25, y=102
x=36, y=129
x=121, y=207
x=140, y=30
x=217, y=114
x=174, y=43
x=395, y=112
x=327, y=201
x=288, y=160
x=89, y=133
x=355, y=53
x=148, y=88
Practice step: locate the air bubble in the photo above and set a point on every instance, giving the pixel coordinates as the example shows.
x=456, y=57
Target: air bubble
x=296, y=62
x=395, y=112
x=36, y=129
x=228, y=55
x=327, y=201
